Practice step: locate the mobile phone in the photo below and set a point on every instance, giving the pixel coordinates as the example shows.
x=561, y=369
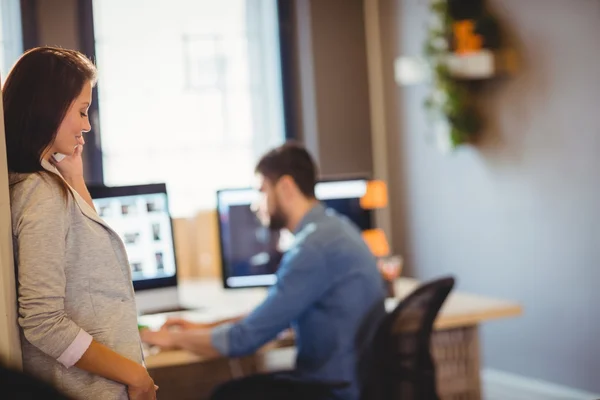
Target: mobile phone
x=58, y=157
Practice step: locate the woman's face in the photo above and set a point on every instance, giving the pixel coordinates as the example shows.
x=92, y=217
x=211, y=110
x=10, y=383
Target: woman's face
x=76, y=122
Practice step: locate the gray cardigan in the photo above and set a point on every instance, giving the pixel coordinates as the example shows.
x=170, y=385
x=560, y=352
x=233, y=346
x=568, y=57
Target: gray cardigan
x=73, y=274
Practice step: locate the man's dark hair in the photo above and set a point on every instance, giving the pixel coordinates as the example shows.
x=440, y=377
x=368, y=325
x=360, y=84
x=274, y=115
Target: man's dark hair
x=290, y=159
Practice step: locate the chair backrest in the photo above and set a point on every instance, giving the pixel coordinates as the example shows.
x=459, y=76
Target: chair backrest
x=400, y=365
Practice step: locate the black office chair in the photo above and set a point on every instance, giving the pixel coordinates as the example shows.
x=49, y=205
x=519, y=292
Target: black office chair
x=400, y=366
x=275, y=386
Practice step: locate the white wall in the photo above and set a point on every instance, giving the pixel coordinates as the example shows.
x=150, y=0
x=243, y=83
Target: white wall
x=517, y=216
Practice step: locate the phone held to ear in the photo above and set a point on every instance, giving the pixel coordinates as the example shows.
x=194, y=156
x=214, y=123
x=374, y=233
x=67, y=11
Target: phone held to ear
x=58, y=157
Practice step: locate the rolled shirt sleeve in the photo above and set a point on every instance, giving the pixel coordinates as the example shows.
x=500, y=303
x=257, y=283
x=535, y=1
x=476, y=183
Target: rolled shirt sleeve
x=40, y=237
x=75, y=351
x=301, y=282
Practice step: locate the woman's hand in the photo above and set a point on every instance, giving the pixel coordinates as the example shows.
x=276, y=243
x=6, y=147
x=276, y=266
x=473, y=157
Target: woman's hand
x=71, y=167
x=144, y=390
x=100, y=360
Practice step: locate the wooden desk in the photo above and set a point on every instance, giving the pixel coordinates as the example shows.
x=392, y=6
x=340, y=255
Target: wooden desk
x=455, y=344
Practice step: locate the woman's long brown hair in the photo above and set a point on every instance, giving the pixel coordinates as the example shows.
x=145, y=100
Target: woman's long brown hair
x=37, y=94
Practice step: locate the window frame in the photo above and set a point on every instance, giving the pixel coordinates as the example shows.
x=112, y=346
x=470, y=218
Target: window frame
x=93, y=151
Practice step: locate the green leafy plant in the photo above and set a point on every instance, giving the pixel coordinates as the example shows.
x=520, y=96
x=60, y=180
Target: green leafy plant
x=448, y=104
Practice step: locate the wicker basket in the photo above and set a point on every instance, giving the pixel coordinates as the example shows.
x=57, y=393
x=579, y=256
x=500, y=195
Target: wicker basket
x=456, y=355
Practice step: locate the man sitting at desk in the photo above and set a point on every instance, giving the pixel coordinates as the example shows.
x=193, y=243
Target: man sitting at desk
x=327, y=285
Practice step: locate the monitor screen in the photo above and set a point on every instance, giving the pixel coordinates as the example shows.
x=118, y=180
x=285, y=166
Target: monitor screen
x=140, y=216
x=250, y=252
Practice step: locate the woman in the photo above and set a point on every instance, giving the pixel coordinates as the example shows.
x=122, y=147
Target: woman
x=77, y=311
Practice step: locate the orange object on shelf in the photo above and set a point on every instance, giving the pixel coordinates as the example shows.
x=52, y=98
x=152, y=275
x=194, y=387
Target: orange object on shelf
x=467, y=41
x=377, y=242
x=376, y=195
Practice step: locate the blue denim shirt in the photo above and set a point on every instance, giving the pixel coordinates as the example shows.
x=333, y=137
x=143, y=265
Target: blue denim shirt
x=327, y=284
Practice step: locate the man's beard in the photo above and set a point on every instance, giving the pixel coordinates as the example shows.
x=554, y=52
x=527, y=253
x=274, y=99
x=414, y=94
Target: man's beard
x=277, y=220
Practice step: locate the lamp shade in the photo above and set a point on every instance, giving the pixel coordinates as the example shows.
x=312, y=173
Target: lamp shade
x=376, y=195
x=377, y=242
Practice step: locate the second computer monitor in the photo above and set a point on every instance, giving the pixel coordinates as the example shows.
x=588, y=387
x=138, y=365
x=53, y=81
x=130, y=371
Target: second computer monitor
x=251, y=253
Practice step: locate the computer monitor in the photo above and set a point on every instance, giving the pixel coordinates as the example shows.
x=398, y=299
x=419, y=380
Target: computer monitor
x=140, y=216
x=250, y=252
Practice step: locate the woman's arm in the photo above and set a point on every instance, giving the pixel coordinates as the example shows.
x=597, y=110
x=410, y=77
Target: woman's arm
x=100, y=360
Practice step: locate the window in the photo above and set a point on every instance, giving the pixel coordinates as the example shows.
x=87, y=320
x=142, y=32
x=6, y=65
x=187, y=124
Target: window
x=189, y=93
x=11, y=42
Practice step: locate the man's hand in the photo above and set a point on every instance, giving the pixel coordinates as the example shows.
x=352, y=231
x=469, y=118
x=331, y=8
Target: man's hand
x=185, y=325
x=163, y=338
x=196, y=340
x=182, y=324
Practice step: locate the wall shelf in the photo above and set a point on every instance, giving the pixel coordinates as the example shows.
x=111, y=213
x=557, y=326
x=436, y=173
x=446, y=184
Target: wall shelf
x=484, y=64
